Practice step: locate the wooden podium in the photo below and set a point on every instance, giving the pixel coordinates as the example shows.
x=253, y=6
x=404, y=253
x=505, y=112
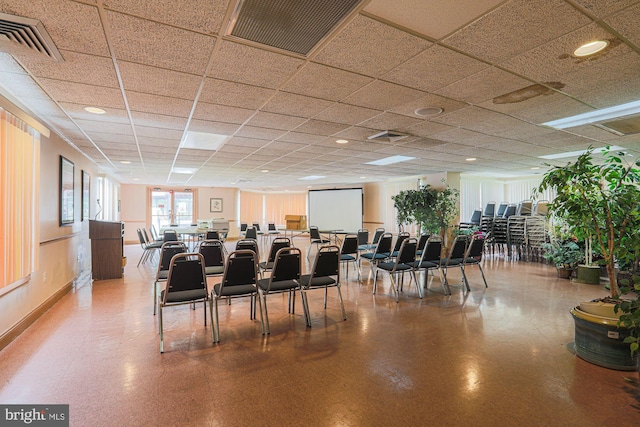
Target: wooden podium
x=106, y=249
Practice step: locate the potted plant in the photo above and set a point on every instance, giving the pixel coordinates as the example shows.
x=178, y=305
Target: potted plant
x=565, y=254
x=602, y=201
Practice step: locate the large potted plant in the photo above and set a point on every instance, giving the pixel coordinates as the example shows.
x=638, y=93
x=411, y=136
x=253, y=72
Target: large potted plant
x=565, y=254
x=602, y=201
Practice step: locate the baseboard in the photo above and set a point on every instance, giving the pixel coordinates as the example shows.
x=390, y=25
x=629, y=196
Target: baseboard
x=29, y=319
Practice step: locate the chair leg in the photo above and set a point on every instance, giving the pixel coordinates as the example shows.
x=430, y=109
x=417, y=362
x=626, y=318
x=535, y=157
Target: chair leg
x=344, y=313
x=217, y=328
x=325, y=297
x=266, y=315
x=257, y=297
x=161, y=332
x=482, y=272
x=305, y=307
x=394, y=286
x=465, y=282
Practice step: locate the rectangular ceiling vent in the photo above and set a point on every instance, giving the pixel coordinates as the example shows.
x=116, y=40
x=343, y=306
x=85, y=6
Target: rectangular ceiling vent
x=622, y=127
x=387, y=135
x=290, y=25
x=20, y=35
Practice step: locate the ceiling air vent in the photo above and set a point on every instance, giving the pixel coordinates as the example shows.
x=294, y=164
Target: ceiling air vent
x=19, y=35
x=387, y=135
x=291, y=25
x=622, y=127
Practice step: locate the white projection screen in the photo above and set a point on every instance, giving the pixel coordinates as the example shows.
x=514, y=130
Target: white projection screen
x=336, y=209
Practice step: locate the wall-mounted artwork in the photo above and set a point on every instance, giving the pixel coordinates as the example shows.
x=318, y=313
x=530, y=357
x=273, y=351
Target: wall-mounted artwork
x=86, y=193
x=215, y=205
x=66, y=191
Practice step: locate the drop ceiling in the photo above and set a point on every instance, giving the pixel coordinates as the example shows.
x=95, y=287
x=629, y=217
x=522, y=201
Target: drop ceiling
x=497, y=69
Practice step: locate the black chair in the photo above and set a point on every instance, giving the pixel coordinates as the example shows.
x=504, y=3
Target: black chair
x=349, y=252
x=455, y=259
x=430, y=260
x=422, y=242
x=154, y=234
x=316, y=239
x=243, y=228
x=248, y=245
x=501, y=208
x=170, y=236
x=381, y=252
x=402, y=236
x=186, y=284
x=240, y=280
x=363, y=239
x=212, y=235
x=401, y=265
x=474, y=221
x=277, y=244
x=148, y=249
x=213, y=253
x=474, y=255
x=490, y=209
x=251, y=233
x=325, y=273
x=376, y=237
x=285, y=277
x=510, y=210
x=168, y=250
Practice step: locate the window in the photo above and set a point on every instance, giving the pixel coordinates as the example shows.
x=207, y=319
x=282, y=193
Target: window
x=108, y=200
x=172, y=207
x=19, y=204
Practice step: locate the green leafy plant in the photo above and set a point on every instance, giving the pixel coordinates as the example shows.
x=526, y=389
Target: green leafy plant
x=563, y=253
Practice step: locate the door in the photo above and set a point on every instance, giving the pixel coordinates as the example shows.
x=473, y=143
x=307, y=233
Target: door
x=172, y=208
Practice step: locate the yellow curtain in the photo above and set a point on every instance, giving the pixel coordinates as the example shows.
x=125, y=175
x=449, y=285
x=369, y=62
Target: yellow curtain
x=278, y=205
x=251, y=205
x=19, y=207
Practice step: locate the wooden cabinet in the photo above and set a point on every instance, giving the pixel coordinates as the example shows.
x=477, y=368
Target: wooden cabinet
x=107, y=249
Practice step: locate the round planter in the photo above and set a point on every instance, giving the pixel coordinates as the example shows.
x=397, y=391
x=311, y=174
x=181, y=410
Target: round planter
x=564, y=273
x=598, y=340
x=588, y=274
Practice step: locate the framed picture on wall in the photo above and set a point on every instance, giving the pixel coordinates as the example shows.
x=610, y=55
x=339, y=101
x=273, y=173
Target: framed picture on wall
x=86, y=192
x=215, y=205
x=67, y=194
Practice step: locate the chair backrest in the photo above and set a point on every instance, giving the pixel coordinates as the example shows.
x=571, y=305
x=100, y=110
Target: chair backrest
x=143, y=243
x=256, y=226
x=243, y=227
x=154, y=232
x=251, y=233
x=475, y=217
x=170, y=236
x=186, y=273
x=212, y=252
x=146, y=236
x=501, y=208
x=168, y=250
x=433, y=251
x=490, y=209
x=384, y=244
x=402, y=236
x=476, y=247
x=271, y=227
x=378, y=234
x=407, y=252
x=541, y=207
x=277, y=244
x=424, y=237
x=212, y=235
x=458, y=248
x=248, y=244
x=327, y=262
x=509, y=211
x=524, y=207
x=287, y=266
x=314, y=233
x=241, y=268
x=349, y=244
x=363, y=236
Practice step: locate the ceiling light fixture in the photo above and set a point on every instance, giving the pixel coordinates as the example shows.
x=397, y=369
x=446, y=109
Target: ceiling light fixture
x=471, y=159
x=390, y=160
x=579, y=152
x=590, y=48
x=535, y=168
x=311, y=177
x=125, y=162
x=596, y=116
x=203, y=141
x=94, y=110
x=187, y=171
x=342, y=141
x=264, y=170
x=428, y=111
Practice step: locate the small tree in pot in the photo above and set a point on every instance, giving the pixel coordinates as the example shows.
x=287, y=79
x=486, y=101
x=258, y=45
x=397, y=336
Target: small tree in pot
x=602, y=201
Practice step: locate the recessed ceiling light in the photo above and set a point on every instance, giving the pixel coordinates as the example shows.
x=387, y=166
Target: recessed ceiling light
x=578, y=153
x=535, y=168
x=342, y=141
x=590, y=48
x=125, y=162
x=264, y=170
x=428, y=111
x=311, y=177
x=136, y=179
x=471, y=159
x=390, y=160
x=188, y=171
x=600, y=115
x=94, y=110
x=363, y=177
x=309, y=186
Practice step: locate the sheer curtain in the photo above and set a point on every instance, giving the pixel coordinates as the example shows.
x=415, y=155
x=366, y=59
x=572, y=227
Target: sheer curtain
x=251, y=207
x=391, y=189
x=278, y=205
x=19, y=205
